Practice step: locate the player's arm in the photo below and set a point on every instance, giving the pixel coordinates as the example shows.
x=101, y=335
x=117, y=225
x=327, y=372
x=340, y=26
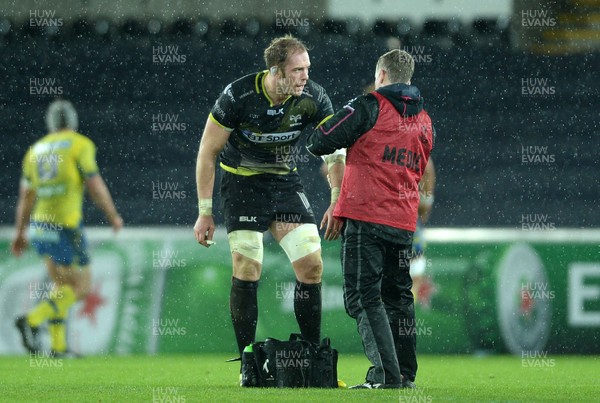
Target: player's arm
x=426, y=189
x=25, y=205
x=336, y=163
x=101, y=197
x=214, y=138
x=345, y=127
x=94, y=183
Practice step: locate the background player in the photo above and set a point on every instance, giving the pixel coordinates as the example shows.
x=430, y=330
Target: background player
x=55, y=170
x=418, y=262
x=254, y=126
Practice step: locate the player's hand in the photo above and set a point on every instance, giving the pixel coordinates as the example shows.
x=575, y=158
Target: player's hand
x=116, y=222
x=204, y=229
x=18, y=245
x=332, y=224
x=424, y=212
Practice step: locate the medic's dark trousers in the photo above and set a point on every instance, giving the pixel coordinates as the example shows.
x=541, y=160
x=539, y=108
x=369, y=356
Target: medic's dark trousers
x=377, y=293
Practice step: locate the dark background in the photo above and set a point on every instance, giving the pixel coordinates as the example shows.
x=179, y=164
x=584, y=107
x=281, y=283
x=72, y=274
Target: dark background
x=472, y=84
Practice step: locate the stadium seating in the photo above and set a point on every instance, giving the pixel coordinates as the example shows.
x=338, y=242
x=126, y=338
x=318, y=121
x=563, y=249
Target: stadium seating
x=473, y=91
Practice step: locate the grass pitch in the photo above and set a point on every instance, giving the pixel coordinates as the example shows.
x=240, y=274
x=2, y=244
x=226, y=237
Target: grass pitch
x=208, y=378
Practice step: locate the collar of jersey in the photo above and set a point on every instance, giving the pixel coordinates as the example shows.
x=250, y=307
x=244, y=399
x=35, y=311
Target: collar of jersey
x=264, y=90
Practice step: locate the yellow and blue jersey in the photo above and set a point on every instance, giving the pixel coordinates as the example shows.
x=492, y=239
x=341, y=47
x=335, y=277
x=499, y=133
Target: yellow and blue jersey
x=56, y=167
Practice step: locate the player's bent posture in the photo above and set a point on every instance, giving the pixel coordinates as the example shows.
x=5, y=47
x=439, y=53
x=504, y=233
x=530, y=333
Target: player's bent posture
x=254, y=126
x=55, y=171
x=389, y=137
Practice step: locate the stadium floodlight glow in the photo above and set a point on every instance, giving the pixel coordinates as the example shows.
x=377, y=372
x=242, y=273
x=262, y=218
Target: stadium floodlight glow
x=5, y=26
x=403, y=27
x=201, y=28
x=154, y=26
x=51, y=30
x=454, y=26
x=251, y=27
x=354, y=26
x=102, y=27
x=303, y=30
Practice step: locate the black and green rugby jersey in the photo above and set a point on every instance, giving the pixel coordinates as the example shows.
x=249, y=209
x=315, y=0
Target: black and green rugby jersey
x=263, y=135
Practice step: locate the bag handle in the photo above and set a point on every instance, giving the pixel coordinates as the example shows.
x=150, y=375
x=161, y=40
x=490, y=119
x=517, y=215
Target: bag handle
x=296, y=337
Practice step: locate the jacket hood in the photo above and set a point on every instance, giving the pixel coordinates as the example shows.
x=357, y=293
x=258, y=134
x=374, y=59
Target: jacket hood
x=406, y=98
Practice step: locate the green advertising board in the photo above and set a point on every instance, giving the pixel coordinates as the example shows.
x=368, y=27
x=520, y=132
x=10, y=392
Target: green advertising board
x=155, y=290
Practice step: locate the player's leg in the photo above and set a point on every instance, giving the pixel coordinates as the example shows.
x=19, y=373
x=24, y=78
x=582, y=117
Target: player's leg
x=247, y=255
x=65, y=296
x=243, y=204
x=362, y=265
x=295, y=229
x=398, y=300
x=302, y=244
x=75, y=284
x=28, y=325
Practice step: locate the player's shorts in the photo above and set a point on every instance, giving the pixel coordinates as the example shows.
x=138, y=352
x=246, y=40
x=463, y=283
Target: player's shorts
x=254, y=202
x=65, y=246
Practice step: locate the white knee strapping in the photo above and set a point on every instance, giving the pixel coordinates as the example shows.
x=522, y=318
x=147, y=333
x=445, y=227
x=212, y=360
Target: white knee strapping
x=301, y=241
x=247, y=243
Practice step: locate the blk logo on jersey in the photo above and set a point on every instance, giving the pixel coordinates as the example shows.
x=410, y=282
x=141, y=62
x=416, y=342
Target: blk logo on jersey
x=275, y=112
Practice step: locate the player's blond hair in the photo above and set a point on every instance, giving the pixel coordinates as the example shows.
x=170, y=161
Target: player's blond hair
x=278, y=51
x=398, y=64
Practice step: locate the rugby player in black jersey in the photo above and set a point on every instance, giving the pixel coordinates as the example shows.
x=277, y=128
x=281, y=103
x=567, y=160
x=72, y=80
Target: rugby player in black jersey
x=254, y=126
